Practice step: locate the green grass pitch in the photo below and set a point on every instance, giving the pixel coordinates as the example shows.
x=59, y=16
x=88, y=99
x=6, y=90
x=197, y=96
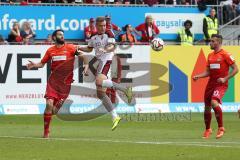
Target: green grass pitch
x=136, y=139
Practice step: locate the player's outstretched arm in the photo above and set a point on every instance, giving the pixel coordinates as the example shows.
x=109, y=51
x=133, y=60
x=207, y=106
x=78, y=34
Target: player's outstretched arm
x=31, y=65
x=84, y=49
x=202, y=75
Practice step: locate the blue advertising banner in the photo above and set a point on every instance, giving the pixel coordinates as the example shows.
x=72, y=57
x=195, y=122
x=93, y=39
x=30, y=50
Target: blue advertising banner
x=73, y=19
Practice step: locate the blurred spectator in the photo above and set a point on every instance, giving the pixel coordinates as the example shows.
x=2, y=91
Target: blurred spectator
x=27, y=32
x=2, y=41
x=23, y=3
x=148, y=30
x=110, y=28
x=48, y=1
x=230, y=10
x=26, y=40
x=150, y=2
x=94, y=1
x=185, y=36
x=90, y=30
x=49, y=40
x=14, y=35
x=201, y=5
x=170, y=2
x=184, y=2
x=34, y=1
x=210, y=25
x=128, y=36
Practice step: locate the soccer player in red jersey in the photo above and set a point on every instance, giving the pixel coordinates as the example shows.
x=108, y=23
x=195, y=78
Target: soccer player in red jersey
x=62, y=56
x=218, y=63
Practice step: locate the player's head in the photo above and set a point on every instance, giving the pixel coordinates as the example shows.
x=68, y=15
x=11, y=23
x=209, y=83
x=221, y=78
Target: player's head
x=188, y=24
x=149, y=20
x=216, y=41
x=101, y=25
x=58, y=36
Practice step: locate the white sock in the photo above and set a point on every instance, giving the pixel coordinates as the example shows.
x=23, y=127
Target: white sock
x=114, y=114
x=107, y=83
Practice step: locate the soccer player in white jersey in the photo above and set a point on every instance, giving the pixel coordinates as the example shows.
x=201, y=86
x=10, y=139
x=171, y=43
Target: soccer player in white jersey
x=104, y=51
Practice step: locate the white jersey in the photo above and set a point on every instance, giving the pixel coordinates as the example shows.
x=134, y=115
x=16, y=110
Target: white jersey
x=99, y=42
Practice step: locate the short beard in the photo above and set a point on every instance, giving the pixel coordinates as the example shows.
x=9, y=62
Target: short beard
x=59, y=41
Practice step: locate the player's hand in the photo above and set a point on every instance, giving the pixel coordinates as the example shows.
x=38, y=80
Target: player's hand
x=221, y=80
x=30, y=65
x=195, y=78
x=79, y=51
x=85, y=70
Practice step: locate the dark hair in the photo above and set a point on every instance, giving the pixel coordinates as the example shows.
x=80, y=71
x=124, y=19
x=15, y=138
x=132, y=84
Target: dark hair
x=55, y=32
x=217, y=36
x=188, y=22
x=125, y=27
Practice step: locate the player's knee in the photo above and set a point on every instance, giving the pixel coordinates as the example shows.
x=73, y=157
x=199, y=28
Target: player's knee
x=214, y=103
x=98, y=82
x=207, y=109
x=100, y=95
x=49, y=105
x=99, y=79
x=55, y=110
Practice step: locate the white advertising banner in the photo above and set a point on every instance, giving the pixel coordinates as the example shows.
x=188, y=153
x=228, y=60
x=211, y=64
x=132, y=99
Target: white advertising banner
x=20, y=86
x=170, y=23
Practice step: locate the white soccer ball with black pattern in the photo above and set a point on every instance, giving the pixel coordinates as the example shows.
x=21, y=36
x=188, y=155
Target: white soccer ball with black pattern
x=157, y=44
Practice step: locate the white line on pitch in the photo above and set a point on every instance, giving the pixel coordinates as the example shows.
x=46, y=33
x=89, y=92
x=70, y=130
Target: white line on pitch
x=199, y=144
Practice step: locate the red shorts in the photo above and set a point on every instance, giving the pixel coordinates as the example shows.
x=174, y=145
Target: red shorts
x=214, y=93
x=57, y=92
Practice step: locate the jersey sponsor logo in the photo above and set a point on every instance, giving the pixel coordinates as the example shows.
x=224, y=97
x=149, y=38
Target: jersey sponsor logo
x=59, y=58
x=214, y=66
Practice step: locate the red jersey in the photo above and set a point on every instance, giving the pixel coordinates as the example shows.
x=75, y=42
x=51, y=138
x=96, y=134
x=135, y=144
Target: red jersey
x=90, y=31
x=62, y=62
x=110, y=27
x=218, y=64
x=144, y=29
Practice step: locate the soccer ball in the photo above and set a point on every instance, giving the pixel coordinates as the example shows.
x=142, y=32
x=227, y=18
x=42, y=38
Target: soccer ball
x=157, y=44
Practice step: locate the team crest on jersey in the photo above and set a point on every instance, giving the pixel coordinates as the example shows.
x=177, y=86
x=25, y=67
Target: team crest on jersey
x=219, y=60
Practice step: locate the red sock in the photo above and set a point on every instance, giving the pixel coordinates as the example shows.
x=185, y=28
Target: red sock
x=47, y=117
x=207, y=119
x=218, y=115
